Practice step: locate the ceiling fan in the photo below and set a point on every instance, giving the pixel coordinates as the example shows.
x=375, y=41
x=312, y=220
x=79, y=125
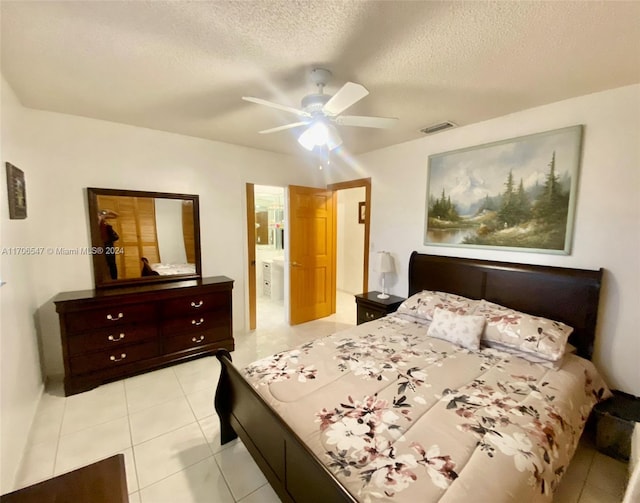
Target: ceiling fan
x=321, y=111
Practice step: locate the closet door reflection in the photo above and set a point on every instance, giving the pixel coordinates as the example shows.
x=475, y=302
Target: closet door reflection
x=135, y=225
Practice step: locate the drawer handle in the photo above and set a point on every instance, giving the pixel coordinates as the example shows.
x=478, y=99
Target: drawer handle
x=198, y=340
x=197, y=304
x=115, y=359
x=370, y=315
x=113, y=339
x=197, y=323
x=119, y=317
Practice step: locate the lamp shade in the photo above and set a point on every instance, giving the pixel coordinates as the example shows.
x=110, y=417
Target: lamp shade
x=319, y=134
x=384, y=262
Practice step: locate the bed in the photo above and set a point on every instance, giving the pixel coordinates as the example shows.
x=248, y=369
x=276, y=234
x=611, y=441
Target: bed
x=172, y=269
x=397, y=410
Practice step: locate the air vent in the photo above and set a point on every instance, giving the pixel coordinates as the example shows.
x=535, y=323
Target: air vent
x=436, y=128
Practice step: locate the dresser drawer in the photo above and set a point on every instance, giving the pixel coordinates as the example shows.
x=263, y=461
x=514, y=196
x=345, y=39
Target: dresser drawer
x=112, y=338
x=116, y=357
x=196, y=339
x=204, y=320
x=111, y=317
x=195, y=304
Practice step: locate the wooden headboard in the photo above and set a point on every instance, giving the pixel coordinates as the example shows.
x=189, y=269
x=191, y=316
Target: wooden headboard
x=561, y=294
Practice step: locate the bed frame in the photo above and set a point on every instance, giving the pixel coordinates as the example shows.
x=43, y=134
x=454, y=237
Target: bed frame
x=296, y=473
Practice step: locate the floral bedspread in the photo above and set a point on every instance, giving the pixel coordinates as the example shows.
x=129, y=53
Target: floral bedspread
x=401, y=417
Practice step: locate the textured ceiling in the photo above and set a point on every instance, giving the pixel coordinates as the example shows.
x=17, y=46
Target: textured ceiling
x=183, y=66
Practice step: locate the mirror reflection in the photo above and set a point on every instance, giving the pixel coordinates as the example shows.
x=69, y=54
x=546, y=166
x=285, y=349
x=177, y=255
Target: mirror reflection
x=269, y=207
x=143, y=237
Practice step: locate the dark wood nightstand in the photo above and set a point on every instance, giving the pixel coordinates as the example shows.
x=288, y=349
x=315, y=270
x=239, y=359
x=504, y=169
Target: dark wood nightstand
x=370, y=307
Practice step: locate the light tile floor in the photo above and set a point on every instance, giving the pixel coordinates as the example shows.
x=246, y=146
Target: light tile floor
x=165, y=425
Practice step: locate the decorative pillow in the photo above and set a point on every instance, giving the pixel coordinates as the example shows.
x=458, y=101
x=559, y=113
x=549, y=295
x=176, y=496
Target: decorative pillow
x=524, y=332
x=459, y=329
x=422, y=304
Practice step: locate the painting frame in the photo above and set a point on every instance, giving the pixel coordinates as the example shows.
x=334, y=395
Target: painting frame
x=16, y=192
x=517, y=194
x=362, y=212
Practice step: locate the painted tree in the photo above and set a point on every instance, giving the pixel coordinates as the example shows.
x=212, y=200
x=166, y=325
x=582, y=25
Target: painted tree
x=552, y=204
x=508, y=214
x=515, y=204
x=523, y=207
x=443, y=208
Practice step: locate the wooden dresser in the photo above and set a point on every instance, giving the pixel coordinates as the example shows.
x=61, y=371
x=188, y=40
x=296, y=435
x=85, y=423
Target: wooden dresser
x=116, y=333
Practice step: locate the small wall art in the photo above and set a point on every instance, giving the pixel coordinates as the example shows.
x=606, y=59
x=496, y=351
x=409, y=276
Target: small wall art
x=17, y=192
x=362, y=212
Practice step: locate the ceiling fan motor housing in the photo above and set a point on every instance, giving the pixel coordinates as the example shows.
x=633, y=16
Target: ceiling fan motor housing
x=313, y=103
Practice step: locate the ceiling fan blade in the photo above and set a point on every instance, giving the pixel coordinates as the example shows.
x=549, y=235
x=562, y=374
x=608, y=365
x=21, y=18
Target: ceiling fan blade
x=300, y=113
x=364, y=121
x=348, y=95
x=282, y=128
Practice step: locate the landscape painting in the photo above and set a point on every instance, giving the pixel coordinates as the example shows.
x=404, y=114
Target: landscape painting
x=517, y=194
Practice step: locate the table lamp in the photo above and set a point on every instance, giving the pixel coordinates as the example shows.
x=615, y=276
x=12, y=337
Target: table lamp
x=384, y=265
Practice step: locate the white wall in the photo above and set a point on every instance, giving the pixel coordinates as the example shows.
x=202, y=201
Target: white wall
x=61, y=155
x=350, y=244
x=607, y=225
x=20, y=376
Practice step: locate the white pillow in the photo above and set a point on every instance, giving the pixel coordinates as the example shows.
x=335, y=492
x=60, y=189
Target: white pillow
x=463, y=330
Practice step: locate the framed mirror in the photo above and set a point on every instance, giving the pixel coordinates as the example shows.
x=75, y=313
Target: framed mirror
x=143, y=237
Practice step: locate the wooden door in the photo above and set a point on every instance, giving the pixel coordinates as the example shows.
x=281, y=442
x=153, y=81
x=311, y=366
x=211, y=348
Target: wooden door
x=136, y=228
x=251, y=247
x=311, y=253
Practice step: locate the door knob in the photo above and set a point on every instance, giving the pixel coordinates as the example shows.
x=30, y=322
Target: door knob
x=295, y=264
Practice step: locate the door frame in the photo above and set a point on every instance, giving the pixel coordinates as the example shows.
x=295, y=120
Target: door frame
x=251, y=253
x=352, y=184
x=251, y=250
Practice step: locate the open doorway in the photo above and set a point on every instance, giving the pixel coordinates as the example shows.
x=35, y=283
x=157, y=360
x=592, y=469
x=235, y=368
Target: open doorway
x=269, y=207
x=350, y=250
x=265, y=256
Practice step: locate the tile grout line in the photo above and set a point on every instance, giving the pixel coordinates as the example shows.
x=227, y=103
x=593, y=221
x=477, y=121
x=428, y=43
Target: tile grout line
x=64, y=412
x=22, y=467
x=252, y=492
x=140, y=488
x=133, y=452
x=226, y=483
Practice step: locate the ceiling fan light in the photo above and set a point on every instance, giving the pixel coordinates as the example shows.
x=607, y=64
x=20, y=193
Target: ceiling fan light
x=307, y=139
x=319, y=134
x=333, y=138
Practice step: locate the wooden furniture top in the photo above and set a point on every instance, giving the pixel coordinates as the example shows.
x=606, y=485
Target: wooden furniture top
x=101, y=482
x=155, y=288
